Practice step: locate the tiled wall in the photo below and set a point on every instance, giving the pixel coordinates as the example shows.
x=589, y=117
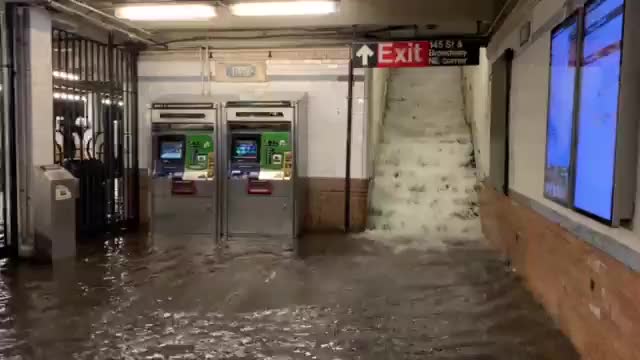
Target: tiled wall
x=325, y=204
x=323, y=81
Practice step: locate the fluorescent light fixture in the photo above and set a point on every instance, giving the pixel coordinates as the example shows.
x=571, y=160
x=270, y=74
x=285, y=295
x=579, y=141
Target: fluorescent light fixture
x=284, y=8
x=65, y=76
x=168, y=12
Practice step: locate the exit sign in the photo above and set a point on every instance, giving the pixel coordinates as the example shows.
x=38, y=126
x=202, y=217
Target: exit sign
x=400, y=54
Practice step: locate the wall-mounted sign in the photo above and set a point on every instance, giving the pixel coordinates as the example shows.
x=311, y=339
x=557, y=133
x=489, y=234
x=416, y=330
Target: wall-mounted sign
x=241, y=72
x=416, y=54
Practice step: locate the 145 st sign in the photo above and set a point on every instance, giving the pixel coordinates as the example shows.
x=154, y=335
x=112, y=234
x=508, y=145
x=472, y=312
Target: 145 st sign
x=415, y=54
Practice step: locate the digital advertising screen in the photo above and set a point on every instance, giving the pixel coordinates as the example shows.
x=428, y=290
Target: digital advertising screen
x=598, y=113
x=171, y=150
x=563, y=72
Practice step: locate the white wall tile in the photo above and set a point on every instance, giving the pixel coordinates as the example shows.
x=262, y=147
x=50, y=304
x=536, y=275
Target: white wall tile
x=327, y=107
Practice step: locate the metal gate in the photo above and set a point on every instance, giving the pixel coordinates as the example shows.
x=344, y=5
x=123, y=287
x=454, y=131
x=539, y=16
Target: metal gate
x=4, y=240
x=96, y=128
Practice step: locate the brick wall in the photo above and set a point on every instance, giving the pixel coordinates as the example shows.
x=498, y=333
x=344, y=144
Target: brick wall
x=325, y=204
x=593, y=298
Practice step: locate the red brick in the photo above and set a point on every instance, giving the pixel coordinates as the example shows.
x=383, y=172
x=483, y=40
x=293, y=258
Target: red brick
x=604, y=321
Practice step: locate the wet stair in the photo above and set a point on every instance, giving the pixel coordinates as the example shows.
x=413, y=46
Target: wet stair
x=425, y=187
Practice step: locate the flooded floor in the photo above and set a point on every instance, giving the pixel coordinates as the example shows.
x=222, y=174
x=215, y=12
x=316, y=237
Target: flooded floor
x=345, y=298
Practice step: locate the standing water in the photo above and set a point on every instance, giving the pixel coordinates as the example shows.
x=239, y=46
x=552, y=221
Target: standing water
x=344, y=298
x=425, y=187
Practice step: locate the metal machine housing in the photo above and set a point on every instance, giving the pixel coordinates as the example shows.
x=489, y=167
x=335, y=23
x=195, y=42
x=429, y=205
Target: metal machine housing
x=185, y=201
x=254, y=206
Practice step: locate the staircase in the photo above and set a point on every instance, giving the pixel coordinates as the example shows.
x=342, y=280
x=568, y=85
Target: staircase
x=425, y=187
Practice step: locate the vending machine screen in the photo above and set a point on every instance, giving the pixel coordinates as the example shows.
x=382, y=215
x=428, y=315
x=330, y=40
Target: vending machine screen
x=245, y=150
x=171, y=150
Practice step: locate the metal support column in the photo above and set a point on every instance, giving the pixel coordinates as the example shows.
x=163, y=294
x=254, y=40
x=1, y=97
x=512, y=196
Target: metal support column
x=347, y=177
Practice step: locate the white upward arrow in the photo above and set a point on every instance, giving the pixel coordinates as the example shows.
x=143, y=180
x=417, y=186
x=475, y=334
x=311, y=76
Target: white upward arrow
x=365, y=53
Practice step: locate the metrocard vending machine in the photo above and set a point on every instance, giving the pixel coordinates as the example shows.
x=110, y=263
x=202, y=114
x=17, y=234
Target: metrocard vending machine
x=184, y=167
x=265, y=157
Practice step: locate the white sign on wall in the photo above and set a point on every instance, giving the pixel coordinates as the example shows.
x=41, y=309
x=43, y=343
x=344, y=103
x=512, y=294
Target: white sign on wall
x=241, y=71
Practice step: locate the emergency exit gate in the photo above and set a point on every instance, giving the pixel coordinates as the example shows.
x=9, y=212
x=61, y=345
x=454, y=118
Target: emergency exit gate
x=96, y=128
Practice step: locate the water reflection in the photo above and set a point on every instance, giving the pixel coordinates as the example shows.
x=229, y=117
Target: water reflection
x=183, y=299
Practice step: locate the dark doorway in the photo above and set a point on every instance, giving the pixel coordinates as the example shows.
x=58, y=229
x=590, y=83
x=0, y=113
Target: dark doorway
x=500, y=80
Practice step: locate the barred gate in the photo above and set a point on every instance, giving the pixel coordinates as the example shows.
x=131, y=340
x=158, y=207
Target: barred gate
x=96, y=129
x=5, y=242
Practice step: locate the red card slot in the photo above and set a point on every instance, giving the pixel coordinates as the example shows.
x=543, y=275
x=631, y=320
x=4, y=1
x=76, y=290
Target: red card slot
x=181, y=187
x=259, y=188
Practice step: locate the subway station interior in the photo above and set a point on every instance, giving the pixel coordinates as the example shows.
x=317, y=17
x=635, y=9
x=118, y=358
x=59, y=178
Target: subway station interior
x=319, y=179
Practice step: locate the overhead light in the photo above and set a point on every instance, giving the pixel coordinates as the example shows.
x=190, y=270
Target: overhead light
x=169, y=12
x=284, y=8
x=68, y=96
x=65, y=76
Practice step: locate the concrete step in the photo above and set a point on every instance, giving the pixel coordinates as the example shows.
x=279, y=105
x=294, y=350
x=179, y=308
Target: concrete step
x=425, y=178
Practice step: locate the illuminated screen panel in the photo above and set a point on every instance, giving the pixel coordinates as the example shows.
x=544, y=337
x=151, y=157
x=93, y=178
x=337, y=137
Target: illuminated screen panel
x=245, y=150
x=598, y=116
x=171, y=150
x=564, y=50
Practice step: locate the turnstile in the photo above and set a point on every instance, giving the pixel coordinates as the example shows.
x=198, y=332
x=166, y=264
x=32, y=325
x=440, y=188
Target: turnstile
x=264, y=159
x=184, y=156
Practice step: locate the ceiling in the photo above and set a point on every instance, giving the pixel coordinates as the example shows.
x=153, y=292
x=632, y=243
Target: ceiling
x=355, y=18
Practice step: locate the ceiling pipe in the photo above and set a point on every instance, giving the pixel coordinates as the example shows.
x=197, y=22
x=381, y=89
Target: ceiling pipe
x=27, y=2
x=194, y=51
x=261, y=29
x=494, y=24
x=301, y=40
x=58, y=6
x=292, y=47
x=257, y=37
x=110, y=17
x=63, y=8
